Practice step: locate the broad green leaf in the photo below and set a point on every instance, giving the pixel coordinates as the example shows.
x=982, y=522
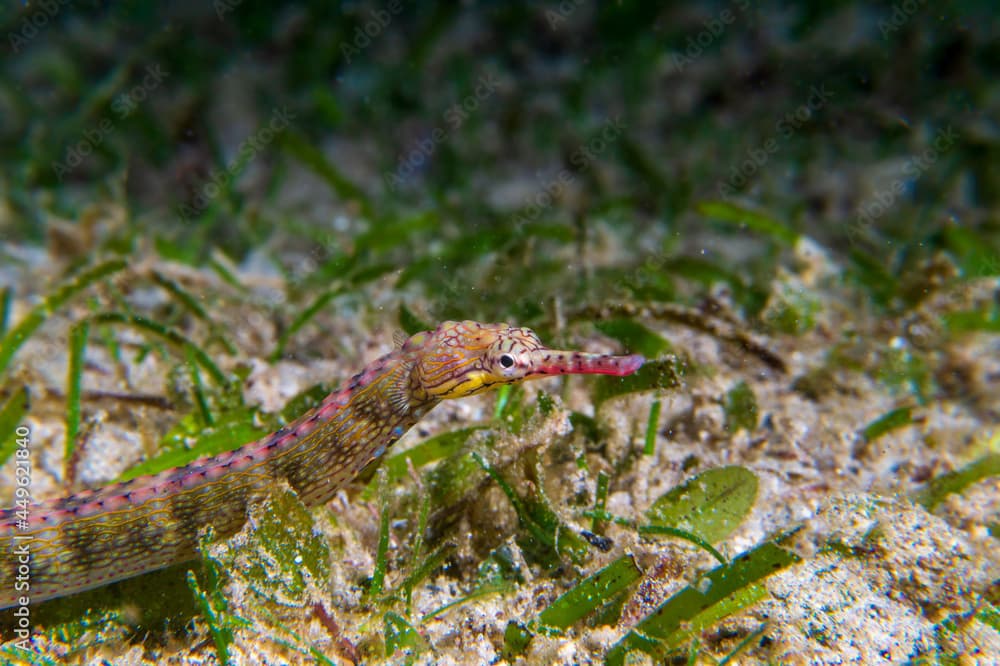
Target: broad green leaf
x=710, y=505
x=665, y=373
x=590, y=593
x=750, y=219
x=897, y=418
x=636, y=338
x=657, y=631
x=955, y=482
x=974, y=320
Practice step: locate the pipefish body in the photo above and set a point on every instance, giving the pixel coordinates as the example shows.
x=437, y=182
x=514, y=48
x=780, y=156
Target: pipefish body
x=95, y=537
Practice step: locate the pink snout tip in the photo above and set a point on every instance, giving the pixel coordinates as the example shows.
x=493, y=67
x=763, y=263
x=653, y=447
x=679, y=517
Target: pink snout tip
x=630, y=363
x=601, y=364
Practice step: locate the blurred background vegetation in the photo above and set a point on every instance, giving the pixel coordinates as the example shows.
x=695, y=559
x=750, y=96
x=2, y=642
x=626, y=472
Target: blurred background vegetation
x=349, y=139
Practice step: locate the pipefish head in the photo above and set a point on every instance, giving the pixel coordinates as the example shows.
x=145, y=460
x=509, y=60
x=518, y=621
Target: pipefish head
x=458, y=359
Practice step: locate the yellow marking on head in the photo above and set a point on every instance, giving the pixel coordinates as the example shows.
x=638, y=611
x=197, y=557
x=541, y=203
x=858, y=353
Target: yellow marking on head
x=462, y=358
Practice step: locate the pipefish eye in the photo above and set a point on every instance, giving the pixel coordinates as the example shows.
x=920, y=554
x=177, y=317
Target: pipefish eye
x=506, y=360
